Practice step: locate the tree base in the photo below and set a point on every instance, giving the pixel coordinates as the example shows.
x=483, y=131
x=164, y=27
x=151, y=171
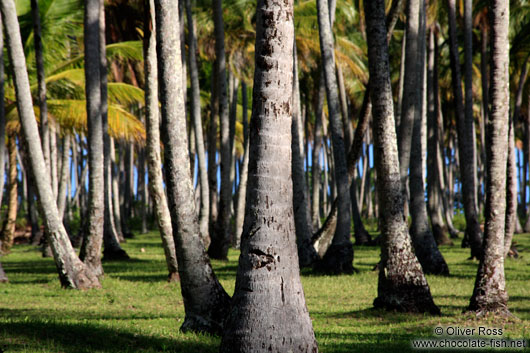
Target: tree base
x=173, y=277
x=115, y=255
x=337, y=260
x=362, y=237
x=497, y=309
x=407, y=299
x=198, y=324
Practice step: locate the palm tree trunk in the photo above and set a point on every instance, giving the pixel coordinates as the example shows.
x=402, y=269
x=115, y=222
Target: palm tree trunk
x=2, y=116
x=221, y=238
x=302, y=217
x=112, y=249
x=115, y=191
x=41, y=80
x=65, y=174
x=402, y=284
x=91, y=248
x=156, y=184
x=205, y=301
x=339, y=257
x=465, y=149
x=268, y=311
x=489, y=294
x=7, y=236
x=243, y=175
x=195, y=100
x=316, y=171
x=72, y=272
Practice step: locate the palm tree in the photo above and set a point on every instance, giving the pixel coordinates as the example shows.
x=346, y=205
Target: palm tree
x=72, y=272
x=156, y=185
x=402, y=284
x=91, y=248
x=205, y=301
x=268, y=311
x=489, y=294
x=339, y=256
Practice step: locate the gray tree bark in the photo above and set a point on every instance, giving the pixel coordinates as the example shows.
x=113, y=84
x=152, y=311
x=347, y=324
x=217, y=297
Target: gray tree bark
x=205, y=301
x=268, y=311
x=402, y=284
x=221, y=238
x=465, y=149
x=156, y=182
x=339, y=256
x=2, y=116
x=243, y=175
x=63, y=195
x=91, y=247
x=195, y=101
x=489, y=294
x=72, y=272
x=302, y=217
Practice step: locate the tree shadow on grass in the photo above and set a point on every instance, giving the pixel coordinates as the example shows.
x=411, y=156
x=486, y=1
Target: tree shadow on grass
x=367, y=342
x=80, y=338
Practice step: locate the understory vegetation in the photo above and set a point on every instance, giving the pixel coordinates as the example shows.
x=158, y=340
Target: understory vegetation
x=138, y=311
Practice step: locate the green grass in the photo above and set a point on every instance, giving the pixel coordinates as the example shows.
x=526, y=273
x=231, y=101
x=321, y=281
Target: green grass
x=138, y=311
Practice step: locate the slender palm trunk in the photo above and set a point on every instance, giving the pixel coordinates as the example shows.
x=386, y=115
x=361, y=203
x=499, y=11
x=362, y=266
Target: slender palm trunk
x=302, y=217
x=205, y=301
x=72, y=272
x=243, y=175
x=156, y=184
x=91, y=248
x=268, y=311
x=65, y=174
x=465, y=149
x=489, y=294
x=316, y=170
x=7, y=236
x=2, y=116
x=39, y=58
x=221, y=238
x=339, y=257
x=402, y=284
x=195, y=100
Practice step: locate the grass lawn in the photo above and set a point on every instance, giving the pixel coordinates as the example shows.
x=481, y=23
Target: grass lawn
x=138, y=311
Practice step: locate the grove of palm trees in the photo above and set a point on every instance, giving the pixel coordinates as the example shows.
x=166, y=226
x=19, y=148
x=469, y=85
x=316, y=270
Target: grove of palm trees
x=279, y=176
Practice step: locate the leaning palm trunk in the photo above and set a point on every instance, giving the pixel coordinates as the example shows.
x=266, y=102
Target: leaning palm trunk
x=7, y=236
x=339, y=256
x=402, y=284
x=489, y=294
x=156, y=186
x=205, y=301
x=91, y=248
x=72, y=272
x=268, y=311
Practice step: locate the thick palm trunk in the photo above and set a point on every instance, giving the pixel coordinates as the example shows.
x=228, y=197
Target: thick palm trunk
x=302, y=217
x=339, y=256
x=205, y=301
x=91, y=248
x=465, y=149
x=402, y=284
x=268, y=311
x=489, y=294
x=195, y=100
x=156, y=183
x=221, y=238
x=7, y=236
x=72, y=272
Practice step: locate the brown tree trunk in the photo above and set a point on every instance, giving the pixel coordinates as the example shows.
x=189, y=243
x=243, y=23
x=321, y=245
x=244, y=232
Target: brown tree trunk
x=8, y=228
